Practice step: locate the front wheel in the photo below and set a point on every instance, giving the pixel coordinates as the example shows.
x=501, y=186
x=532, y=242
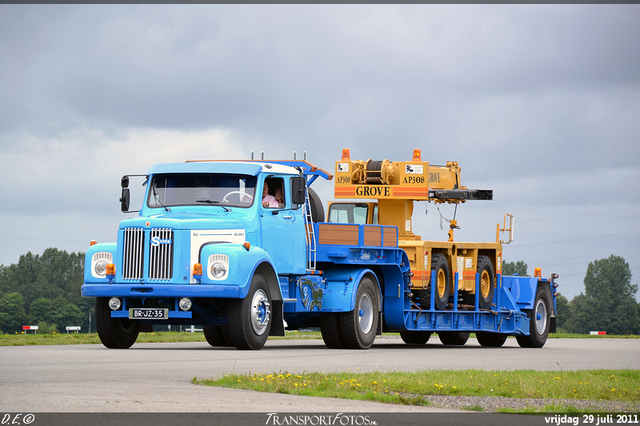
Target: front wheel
x=250, y=318
x=539, y=321
x=114, y=333
x=358, y=328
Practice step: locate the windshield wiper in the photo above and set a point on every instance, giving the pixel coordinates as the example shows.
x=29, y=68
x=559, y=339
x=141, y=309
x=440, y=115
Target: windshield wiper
x=157, y=199
x=214, y=202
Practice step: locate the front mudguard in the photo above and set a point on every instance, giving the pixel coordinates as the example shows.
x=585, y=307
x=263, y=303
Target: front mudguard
x=243, y=264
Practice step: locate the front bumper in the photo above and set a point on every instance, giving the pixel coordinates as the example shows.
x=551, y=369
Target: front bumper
x=161, y=290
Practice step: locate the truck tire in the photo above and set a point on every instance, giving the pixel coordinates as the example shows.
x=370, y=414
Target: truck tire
x=358, y=328
x=453, y=338
x=494, y=340
x=443, y=280
x=317, y=210
x=249, y=319
x=114, y=333
x=487, y=282
x=217, y=335
x=330, y=329
x=539, y=320
x=415, y=337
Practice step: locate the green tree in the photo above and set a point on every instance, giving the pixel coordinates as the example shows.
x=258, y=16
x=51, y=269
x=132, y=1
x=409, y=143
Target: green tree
x=581, y=317
x=41, y=310
x=66, y=313
x=562, y=312
x=609, y=301
x=12, y=313
x=58, y=311
x=512, y=268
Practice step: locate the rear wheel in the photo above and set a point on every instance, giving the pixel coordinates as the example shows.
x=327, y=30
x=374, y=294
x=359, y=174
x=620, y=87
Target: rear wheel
x=443, y=278
x=539, y=321
x=250, y=318
x=358, y=328
x=330, y=329
x=495, y=340
x=453, y=338
x=415, y=337
x=217, y=335
x=115, y=333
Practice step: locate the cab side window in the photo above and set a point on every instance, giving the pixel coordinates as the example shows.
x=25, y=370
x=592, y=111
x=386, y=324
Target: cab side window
x=273, y=193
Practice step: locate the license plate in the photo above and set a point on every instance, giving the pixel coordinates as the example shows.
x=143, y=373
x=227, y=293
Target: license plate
x=149, y=313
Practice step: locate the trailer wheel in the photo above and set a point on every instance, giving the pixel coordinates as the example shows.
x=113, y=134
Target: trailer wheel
x=494, y=340
x=453, y=338
x=217, y=335
x=487, y=282
x=415, y=337
x=358, y=328
x=539, y=321
x=250, y=318
x=330, y=329
x=443, y=279
x=115, y=333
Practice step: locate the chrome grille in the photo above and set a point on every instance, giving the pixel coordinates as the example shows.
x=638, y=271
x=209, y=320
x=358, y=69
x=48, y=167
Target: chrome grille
x=133, y=254
x=161, y=254
x=160, y=245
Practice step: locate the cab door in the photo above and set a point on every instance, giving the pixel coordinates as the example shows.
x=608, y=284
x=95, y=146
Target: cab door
x=282, y=228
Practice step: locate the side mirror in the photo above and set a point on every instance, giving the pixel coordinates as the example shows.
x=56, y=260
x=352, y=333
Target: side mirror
x=124, y=200
x=126, y=196
x=298, y=190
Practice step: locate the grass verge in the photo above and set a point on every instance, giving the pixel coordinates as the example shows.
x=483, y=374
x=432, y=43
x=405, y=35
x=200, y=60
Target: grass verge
x=409, y=388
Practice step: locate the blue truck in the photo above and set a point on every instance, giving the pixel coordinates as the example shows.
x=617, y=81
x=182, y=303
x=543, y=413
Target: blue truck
x=243, y=249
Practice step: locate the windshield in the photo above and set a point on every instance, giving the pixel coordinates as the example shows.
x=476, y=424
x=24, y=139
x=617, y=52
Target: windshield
x=348, y=213
x=185, y=189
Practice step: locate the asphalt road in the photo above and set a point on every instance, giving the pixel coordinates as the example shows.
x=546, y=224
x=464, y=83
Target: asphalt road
x=157, y=377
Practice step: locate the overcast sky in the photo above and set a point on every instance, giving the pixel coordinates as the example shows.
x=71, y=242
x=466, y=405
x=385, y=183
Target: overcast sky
x=540, y=103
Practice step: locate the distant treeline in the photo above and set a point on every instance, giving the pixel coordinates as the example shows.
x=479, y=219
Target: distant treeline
x=44, y=290
x=608, y=303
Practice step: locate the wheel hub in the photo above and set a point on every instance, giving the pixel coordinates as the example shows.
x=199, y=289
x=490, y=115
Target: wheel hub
x=365, y=314
x=260, y=312
x=541, y=316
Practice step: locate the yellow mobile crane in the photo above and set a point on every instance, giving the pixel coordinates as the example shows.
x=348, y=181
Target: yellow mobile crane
x=396, y=185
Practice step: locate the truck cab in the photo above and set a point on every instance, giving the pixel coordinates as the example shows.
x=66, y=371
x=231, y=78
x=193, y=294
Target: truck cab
x=203, y=233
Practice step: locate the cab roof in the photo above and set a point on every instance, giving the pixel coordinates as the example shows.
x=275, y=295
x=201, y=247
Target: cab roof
x=234, y=167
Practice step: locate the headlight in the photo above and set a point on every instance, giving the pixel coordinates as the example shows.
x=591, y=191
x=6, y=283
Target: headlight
x=99, y=262
x=218, y=266
x=100, y=268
